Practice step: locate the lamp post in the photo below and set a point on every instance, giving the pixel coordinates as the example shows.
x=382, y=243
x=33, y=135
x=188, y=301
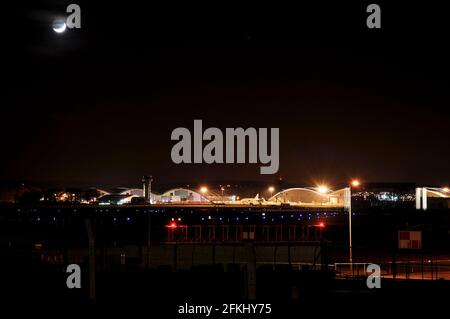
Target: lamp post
x=350, y=243
x=354, y=183
x=150, y=188
x=149, y=220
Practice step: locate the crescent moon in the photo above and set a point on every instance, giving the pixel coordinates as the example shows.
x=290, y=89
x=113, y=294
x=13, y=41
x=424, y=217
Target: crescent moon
x=60, y=29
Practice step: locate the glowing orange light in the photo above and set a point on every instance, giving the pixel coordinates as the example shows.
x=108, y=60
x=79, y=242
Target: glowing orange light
x=356, y=183
x=321, y=225
x=322, y=189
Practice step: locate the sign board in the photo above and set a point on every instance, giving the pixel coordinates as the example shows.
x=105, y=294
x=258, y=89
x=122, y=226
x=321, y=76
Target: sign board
x=409, y=239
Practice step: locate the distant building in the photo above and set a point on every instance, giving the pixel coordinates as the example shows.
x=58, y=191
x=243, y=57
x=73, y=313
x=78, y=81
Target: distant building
x=115, y=199
x=123, y=196
x=182, y=195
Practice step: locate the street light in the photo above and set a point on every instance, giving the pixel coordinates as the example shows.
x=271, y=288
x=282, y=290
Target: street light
x=203, y=189
x=355, y=183
x=148, y=184
x=322, y=189
x=271, y=190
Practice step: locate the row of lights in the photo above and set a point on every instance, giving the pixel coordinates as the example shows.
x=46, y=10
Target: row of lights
x=323, y=189
x=320, y=188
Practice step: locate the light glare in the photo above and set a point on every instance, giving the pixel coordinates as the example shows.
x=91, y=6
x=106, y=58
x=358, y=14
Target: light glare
x=322, y=189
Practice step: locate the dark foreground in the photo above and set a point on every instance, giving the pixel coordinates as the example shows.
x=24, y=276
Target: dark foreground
x=295, y=277
x=159, y=293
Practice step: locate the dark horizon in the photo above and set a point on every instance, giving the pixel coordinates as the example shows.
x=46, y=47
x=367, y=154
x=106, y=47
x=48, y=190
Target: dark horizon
x=255, y=185
x=96, y=106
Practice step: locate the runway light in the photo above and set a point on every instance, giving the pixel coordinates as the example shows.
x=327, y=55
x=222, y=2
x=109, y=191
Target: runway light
x=355, y=183
x=322, y=189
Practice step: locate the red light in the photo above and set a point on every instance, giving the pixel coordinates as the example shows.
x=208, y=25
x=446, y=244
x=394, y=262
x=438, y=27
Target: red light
x=321, y=225
x=172, y=225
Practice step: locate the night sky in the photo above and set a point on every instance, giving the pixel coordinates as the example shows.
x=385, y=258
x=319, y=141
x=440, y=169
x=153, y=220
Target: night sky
x=96, y=106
